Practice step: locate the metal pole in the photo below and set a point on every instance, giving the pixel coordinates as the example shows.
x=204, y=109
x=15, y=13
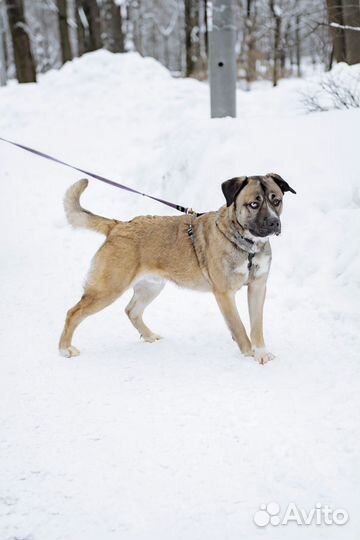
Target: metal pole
x=222, y=59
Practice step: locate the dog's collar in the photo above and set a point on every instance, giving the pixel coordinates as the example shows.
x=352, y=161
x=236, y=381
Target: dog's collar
x=239, y=241
x=248, y=243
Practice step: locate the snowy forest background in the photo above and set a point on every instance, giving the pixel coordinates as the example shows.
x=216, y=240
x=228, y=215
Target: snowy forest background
x=275, y=38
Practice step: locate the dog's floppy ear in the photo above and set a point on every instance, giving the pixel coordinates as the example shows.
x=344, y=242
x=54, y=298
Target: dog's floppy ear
x=231, y=188
x=284, y=186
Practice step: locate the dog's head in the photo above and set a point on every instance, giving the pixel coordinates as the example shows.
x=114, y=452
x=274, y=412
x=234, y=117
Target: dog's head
x=257, y=202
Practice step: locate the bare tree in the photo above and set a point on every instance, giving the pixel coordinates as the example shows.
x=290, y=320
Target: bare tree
x=81, y=22
x=135, y=17
x=206, y=29
x=112, y=36
x=250, y=41
x=189, y=23
x=276, y=13
x=119, y=42
x=335, y=14
x=351, y=15
x=88, y=21
x=3, y=71
x=298, y=44
x=25, y=65
x=66, y=52
x=42, y=26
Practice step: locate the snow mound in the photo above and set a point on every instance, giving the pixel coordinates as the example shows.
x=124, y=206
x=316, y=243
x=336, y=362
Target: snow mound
x=344, y=71
x=130, y=66
x=337, y=89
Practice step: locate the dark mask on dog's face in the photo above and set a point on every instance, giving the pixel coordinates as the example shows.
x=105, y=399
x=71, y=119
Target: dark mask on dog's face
x=257, y=202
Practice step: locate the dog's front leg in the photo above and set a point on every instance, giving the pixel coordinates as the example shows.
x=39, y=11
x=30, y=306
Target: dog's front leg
x=256, y=299
x=227, y=305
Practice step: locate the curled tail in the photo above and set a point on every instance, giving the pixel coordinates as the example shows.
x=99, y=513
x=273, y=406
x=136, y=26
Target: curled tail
x=77, y=216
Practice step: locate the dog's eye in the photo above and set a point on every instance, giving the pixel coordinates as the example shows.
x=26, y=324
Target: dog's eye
x=276, y=202
x=254, y=205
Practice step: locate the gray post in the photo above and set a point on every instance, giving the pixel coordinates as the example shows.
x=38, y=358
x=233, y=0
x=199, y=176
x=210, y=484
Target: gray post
x=222, y=59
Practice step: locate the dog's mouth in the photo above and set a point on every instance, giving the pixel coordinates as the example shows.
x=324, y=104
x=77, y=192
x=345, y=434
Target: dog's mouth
x=262, y=233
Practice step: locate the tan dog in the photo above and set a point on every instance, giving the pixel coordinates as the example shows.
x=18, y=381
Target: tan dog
x=218, y=251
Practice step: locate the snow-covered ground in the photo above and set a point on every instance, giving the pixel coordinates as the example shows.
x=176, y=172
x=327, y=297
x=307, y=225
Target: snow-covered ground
x=183, y=439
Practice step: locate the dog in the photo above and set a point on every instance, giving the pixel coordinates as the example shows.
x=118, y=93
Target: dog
x=218, y=251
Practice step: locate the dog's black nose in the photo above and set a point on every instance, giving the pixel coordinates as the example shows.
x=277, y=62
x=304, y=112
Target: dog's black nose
x=273, y=224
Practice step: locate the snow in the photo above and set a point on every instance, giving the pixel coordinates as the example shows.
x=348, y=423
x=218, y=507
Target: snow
x=183, y=438
x=345, y=27
x=277, y=10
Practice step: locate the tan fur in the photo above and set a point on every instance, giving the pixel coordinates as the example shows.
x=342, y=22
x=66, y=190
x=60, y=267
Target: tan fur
x=79, y=217
x=145, y=252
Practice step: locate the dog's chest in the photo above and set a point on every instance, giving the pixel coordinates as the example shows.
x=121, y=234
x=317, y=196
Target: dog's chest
x=261, y=264
x=245, y=268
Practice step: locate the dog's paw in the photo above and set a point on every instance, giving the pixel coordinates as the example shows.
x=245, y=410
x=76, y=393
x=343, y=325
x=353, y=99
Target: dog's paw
x=70, y=351
x=262, y=355
x=151, y=338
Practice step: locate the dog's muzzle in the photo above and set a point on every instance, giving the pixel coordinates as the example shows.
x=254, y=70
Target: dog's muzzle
x=271, y=225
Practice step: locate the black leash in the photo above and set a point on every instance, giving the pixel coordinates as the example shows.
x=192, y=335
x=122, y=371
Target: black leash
x=98, y=177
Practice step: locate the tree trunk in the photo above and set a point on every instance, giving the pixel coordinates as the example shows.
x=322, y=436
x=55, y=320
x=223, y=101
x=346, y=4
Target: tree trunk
x=277, y=36
x=91, y=29
x=135, y=16
x=351, y=15
x=331, y=59
x=298, y=45
x=277, y=41
x=66, y=53
x=80, y=30
x=335, y=15
x=112, y=35
x=250, y=42
x=206, y=37
x=3, y=74
x=118, y=29
x=195, y=34
x=24, y=62
x=189, y=64
x=166, y=52
x=92, y=13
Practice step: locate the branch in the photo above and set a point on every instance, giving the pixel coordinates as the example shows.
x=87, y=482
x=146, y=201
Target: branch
x=344, y=26
x=164, y=31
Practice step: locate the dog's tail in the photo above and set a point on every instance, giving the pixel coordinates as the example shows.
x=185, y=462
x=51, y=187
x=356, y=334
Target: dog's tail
x=77, y=216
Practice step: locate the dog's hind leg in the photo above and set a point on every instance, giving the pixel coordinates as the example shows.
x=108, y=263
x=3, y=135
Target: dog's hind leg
x=90, y=303
x=106, y=282
x=145, y=291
